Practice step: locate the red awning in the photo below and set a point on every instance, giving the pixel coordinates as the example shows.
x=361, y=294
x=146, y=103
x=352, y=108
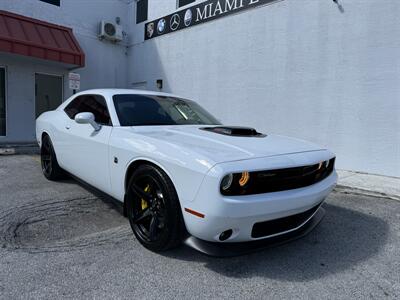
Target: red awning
x=35, y=38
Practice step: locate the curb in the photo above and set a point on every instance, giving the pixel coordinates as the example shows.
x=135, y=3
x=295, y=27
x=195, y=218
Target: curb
x=357, y=191
x=369, y=184
x=19, y=149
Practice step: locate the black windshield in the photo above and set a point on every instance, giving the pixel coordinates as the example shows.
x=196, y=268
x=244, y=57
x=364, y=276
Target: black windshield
x=139, y=110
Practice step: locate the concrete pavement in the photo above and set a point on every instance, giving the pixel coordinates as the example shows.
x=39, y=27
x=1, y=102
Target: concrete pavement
x=57, y=240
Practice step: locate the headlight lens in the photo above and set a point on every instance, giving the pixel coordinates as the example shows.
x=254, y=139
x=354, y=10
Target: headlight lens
x=226, y=182
x=235, y=181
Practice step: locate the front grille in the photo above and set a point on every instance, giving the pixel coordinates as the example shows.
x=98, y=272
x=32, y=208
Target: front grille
x=276, y=226
x=281, y=179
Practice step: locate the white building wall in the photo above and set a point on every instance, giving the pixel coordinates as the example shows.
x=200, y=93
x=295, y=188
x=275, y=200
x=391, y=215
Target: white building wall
x=106, y=63
x=296, y=67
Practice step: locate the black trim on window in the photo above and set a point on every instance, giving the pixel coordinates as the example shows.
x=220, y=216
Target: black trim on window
x=142, y=7
x=54, y=2
x=184, y=2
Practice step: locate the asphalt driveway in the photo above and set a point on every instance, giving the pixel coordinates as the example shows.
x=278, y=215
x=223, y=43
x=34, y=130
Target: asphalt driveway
x=59, y=240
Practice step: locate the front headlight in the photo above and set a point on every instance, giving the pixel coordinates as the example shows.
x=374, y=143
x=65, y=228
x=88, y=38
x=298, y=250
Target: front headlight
x=234, y=182
x=226, y=182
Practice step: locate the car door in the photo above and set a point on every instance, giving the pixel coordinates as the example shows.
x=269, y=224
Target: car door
x=85, y=150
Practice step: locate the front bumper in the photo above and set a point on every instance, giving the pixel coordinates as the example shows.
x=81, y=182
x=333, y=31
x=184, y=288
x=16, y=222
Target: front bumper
x=241, y=213
x=235, y=249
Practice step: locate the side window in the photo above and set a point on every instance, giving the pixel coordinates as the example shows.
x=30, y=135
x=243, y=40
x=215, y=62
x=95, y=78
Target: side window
x=90, y=103
x=96, y=105
x=73, y=108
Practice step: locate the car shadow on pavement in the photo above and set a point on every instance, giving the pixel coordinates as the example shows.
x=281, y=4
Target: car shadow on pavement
x=342, y=240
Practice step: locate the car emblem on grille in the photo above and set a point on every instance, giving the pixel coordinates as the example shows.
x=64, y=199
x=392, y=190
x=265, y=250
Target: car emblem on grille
x=175, y=22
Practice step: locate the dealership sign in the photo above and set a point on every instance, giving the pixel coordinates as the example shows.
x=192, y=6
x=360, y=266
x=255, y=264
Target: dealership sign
x=198, y=14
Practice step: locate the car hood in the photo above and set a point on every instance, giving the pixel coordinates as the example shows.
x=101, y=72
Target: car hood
x=223, y=148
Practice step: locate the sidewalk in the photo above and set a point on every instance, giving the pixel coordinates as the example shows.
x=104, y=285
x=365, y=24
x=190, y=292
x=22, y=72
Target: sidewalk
x=375, y=185
x=19, y=149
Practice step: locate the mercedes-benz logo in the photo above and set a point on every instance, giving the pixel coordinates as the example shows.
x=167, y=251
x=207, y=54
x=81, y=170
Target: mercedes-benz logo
x=175, y=22
x=161, y=26
x=188, y=17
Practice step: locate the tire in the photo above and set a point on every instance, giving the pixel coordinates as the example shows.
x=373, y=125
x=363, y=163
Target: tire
x=153, y=209
x=50, y=168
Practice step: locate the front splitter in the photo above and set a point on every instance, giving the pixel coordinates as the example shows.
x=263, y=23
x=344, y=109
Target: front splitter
x=236, y=249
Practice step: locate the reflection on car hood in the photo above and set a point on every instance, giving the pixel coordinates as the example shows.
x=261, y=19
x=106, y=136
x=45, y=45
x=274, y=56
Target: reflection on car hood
x=223, y=148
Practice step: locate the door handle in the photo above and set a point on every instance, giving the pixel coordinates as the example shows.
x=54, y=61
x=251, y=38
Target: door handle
x=67, y=127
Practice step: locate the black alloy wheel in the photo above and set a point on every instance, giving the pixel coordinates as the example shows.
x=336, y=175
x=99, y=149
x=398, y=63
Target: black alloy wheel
x=153, y=209
x=50, y=168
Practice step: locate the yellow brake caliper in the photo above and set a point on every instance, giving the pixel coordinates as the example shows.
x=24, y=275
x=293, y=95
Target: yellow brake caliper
x=144, y=202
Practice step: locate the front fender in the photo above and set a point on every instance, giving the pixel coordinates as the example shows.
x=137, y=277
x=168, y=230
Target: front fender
x=185, y=168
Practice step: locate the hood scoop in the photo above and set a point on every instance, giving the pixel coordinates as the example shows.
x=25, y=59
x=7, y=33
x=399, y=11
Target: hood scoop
x=234, y=131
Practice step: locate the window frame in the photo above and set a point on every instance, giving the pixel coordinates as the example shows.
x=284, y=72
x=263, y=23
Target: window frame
x=88, y=95
x=5, y=101
x=137, y=10
x=49, y=2
x=179, y=6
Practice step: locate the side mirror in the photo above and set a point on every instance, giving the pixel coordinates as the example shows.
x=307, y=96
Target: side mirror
x=87, y=118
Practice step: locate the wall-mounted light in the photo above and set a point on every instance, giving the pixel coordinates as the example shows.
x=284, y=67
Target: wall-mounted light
x=159, y=84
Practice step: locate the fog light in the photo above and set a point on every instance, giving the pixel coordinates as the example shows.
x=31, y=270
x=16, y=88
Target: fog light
x=225, y=235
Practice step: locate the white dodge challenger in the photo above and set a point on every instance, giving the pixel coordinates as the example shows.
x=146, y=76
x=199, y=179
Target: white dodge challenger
x=179, y=173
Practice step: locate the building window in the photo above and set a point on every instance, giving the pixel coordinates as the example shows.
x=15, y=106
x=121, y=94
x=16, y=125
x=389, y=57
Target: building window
x=2, y=101
x=54, y=2
x=141, y=11
x=184, y=2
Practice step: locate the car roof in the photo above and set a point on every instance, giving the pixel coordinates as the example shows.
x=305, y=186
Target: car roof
x=112, y=92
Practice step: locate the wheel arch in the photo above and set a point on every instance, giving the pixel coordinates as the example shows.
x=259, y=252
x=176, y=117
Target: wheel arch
x=44, y=132
x=135, y=164
x=42, y=135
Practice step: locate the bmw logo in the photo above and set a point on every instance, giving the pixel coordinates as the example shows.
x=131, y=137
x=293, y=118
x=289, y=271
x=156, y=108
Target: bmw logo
x=161, y=26
x=188, y=17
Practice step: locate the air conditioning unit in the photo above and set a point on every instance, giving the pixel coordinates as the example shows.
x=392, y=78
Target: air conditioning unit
x=110, y=31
